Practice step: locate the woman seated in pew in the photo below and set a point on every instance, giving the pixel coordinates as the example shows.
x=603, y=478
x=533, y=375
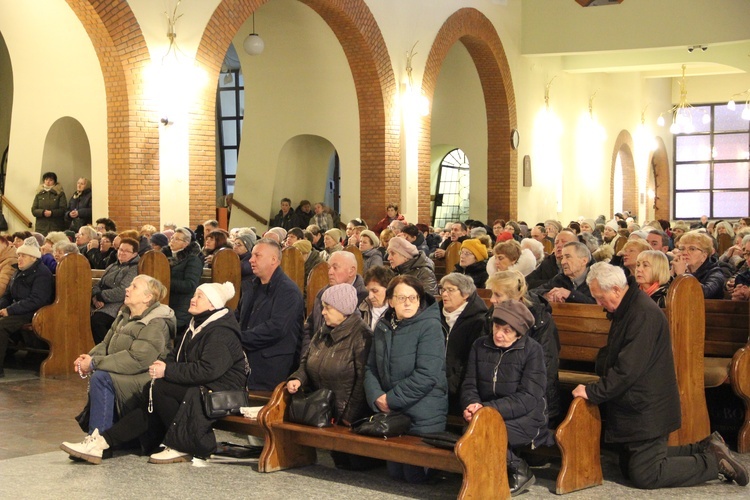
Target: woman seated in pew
x=106, y=252
x=473, y=261
x=506, y=372
x=463, y=315
x=243, y=244
x=630, y=252
x=185, y=274
x=215, y=241
x=48, y=259
x=376, y=281
x=336, y=360
x=652, y=275
x=510, y=255
x=8, y=257
x=369, y=246
x=696, y=257
x=118, y=366
x=405, y=370
x=63, y=248
x=210, y=355
x=511, y=285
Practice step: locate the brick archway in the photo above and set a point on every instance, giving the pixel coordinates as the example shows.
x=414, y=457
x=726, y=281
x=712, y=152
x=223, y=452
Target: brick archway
x=624, y=147
x=359, y=34
x=659, y=163
x=476, y=32
x=133, y=149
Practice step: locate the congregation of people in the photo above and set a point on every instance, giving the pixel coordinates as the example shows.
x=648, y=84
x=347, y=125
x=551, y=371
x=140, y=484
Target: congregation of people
x=408, y=335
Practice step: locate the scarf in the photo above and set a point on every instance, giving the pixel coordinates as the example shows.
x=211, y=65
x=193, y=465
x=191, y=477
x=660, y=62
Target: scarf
x=194, y=330
x=650, y=289
x=452, y=317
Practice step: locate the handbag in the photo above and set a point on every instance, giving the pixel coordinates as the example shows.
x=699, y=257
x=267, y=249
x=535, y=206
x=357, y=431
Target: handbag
x=446, y=440
x=217, y=404
x=383, y=425
x=314, y=408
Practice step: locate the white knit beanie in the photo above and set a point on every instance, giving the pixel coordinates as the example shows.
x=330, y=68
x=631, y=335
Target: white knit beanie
x=217, y=293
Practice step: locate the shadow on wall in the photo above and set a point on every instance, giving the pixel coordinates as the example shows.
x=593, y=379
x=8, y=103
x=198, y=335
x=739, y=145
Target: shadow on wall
x=67, y=153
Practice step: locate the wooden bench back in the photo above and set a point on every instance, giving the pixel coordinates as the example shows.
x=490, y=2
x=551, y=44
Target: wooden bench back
x=226, y=267
x=549, y=247
x=293, y=265
x=360, y=260
x=315, y=282
x=725, y=242
x=583, y=330
x=66, y=323
x=452, y=256
x=155, y=264
x=726, y=327
x=484, y=293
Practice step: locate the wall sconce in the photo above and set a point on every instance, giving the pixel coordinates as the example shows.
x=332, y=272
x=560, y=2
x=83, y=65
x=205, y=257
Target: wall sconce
x=254, y=44
x=591, y=105
x=416, y=97
x=546, y=93
x=682, y=119
x=731, y=105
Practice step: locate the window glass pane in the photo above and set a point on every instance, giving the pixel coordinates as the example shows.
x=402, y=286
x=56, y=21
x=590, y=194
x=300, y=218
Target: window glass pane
x=226, y=80
x=230, y=162
x=692, y=205
x=229, y=185
x=229, y=131
x=729, y=121
x=228, y=107
x=731, y=175
x=701, y=119
x=692, y=176
x=731, y=147
x=693, y=148
x=730, y=204
x=242, y=103
x=241, y=79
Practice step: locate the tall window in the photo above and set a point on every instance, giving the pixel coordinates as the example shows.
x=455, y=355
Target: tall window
x=711, y=167
x=230, y=102
x=452, y=190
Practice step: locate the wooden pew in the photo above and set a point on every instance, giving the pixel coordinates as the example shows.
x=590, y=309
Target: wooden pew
x=66, y=323
x=479, y=455
x=243, y=425
x=315, y=282
x=156, y=265
x=226, y=267
x=360, y=260
x=293, y=265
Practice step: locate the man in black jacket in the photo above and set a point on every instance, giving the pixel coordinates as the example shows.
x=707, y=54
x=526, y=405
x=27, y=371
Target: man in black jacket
x=550, y=265
x=570, y=284
x=639, y=385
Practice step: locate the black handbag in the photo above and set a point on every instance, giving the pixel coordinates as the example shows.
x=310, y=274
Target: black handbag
x=217, y=404
x=383, y=425
x=314, y=408
x=446, y=440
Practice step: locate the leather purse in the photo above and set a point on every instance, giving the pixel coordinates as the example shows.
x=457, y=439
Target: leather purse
x=313, y=408
x=383, y=425
x=217, y=404
x=445, y=440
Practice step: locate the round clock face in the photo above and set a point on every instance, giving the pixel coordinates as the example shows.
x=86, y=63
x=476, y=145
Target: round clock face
x=514, y=138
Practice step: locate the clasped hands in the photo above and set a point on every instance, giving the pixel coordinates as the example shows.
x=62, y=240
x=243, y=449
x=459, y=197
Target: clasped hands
x=558, y=294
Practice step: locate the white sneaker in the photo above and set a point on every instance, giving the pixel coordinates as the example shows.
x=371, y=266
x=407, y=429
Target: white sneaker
x=90, y=449
x=169, y=456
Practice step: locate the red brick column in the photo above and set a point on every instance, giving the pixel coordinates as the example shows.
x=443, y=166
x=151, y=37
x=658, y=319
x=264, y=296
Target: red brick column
x=624, y=147
x=476, y=32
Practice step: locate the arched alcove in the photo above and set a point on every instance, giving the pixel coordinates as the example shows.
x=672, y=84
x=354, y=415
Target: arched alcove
x=6, y=105
x=624, y=149
x=67, y=152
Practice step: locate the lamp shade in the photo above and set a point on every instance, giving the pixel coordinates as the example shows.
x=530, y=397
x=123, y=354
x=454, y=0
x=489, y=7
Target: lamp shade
x=253, y=44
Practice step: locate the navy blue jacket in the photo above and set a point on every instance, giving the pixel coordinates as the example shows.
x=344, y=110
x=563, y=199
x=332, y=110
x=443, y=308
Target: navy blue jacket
x=29, y=290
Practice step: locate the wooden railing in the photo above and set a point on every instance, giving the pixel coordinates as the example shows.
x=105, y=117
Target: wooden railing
x=249, y=212
x=16, y=212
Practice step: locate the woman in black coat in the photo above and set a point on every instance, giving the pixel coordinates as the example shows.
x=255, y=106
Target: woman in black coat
x=186, y=270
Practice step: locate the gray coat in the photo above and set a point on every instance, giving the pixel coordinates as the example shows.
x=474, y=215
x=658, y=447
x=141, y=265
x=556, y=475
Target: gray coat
x=420, y=268
x=111, y=288
x=53, y=200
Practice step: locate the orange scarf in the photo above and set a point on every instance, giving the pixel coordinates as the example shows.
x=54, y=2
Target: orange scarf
x=649, y=290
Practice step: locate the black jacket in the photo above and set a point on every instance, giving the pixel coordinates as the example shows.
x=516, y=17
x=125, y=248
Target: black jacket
x=82, y=203
x=547, y=270
x=476, y=271
x=185, y=276
x=287, y=221
x=580, y=295
x=29, y=290
x=638, y=380
x=419, y=267
x=711, y=278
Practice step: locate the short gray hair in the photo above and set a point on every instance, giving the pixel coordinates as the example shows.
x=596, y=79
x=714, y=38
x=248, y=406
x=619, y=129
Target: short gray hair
x=347, y=256
x=746, y=240
x=581, y=250
x=590, y=241
x=89, y=231
x=535, y=246
x=65, y=247
x=607, y=276
x=271, y=243
x=464, y=283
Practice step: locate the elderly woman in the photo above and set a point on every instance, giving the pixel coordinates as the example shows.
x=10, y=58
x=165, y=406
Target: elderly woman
x=7, y=259
x=385, y=238
x=463, y=318
x=652, y=275
x=336, y=360
x=209, y=357
x=118, y=365
x=185, y=272
x=215, y=241
x=312, y=257
x=405, y=370
x=49, y=205
x=630, y=252
x=472, y=261
x=368, y=245
x=723, y=227
x=536, y=249
x=696, y=257
x=406, y=259
x=48, y=259
x=79, y=206
x=102, y=256
x=322, y=218
x=332, y=243
x=506, y=372
x=510, y=285
x=510, y=255
x=498, y=227
x=376, y=281
x=108, y=295
x=62, y=248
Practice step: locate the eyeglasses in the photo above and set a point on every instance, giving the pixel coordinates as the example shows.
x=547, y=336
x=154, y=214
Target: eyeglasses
x=447, y=289
x=466, y=253
x=122, y=250
x=400, y=299
x=690, y=249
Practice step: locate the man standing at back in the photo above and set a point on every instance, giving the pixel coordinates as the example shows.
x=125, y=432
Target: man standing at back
x=270, y=319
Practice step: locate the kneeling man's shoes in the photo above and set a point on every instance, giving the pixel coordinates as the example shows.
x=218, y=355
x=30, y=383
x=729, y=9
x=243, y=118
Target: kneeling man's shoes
x=90, y=449
x=729, y=466
x=169, y=456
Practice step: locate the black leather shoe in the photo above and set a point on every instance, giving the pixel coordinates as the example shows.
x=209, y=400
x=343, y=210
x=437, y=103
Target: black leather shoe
x=729, y=466
x=703, y=444
x=520, y=479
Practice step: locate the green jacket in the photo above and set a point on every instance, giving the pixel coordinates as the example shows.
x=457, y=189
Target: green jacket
x=129, y=348
x=55, y=201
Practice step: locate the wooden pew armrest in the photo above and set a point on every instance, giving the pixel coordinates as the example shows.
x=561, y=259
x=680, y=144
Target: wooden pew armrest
x=578, y=438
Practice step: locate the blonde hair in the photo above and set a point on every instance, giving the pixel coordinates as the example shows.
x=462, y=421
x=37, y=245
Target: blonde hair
x=701, y=240
x=640, y=245
x=154, y=287
x=659, y=265
x=510, y=248
x=510, y=283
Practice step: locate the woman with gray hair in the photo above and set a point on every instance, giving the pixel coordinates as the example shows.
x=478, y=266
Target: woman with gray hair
x=463, y=318
x=186, y=269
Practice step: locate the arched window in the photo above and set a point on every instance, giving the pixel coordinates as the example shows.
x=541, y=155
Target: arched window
x=452, y=189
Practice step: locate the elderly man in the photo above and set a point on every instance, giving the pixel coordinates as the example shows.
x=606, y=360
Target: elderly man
x=342, y=268
x=539, y=233
x=397, y=226
x=639, y=385
x=270, y=319
x=570, y=284
x=550, y=265
x=458, y=233
x=30, y=288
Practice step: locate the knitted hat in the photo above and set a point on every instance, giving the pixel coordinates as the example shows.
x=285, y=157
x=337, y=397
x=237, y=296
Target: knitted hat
x=405, y=248
x=477, y=248
x=639, y=234
x=335, y=235
x=217, y=293
x=30, y=247
x=515, y=314
x=371, y=236
x=248, y=239
x=613, y=225
x=56, y=236
x=168, y=233
x=304, y=246
x=159, y=239
x=280, y=232
x=192, y=233
x=341, y=297
x=504, y=236
x=39, y=238
x=590, y=222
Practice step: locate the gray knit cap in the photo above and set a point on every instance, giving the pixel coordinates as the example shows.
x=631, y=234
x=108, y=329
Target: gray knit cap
x=341, y=297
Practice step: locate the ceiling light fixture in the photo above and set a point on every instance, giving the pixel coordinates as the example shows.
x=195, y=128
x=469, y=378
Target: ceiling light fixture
x=254, y=44
x=731, y=105
x=682, y=119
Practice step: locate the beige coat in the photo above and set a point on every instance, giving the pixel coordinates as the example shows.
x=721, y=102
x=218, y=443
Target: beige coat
x=7, y=259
